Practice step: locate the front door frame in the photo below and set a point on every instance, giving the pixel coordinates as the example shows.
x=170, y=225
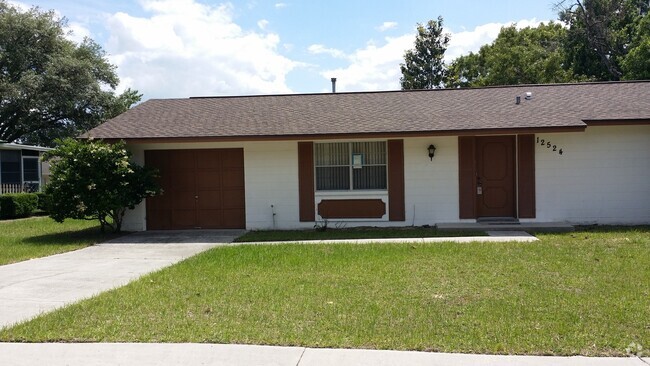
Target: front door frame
x=524, y=156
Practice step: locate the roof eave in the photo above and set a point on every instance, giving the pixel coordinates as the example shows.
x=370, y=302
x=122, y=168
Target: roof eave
x=335, y=136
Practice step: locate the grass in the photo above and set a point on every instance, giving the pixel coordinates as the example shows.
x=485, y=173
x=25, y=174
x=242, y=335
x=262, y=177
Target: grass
x=584, y=293
x=41, y=236
x=352, y=233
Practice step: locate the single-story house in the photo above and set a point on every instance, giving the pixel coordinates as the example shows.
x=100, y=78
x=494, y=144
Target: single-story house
x=576, y=153
x=21, y=169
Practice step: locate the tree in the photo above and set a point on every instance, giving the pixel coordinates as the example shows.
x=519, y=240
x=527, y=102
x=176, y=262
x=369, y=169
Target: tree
x=51, y=87
x=532, y=55
x=423, y=66
x=636, y=64
x=599, y=35
x=94, y=180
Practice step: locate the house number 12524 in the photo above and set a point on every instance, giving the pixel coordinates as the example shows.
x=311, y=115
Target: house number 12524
x=549, y=145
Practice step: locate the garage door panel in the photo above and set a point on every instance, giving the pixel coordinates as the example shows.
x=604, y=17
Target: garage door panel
x=203, y=188
x=159, y=202
x=210, y=219
x=208, y=180
x=232, y=158
x=233, y=198
x=209, y=200
x=232, y=218
x=183, y=200
x=208, y=160
x=183, y=180
x=158, y=219
x=182, y=159
x=184, y=219
x=233, y=178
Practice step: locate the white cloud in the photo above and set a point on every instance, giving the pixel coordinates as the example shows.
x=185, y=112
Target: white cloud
x=76, y=32
x=262, y=24
x=281, y=5
x=185, y=48
x=376, y=67
x=20, y=5
x=373, y=67
x=318, y=49
x=386, y=26
x=471, y=41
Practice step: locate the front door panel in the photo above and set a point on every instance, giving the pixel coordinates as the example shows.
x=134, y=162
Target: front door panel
x=495, y=185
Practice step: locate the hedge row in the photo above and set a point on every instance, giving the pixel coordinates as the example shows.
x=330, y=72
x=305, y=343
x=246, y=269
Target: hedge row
x=21, y=204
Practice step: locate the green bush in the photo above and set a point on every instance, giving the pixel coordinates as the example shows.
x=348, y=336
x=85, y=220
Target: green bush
x=43, y=201
x=96, y=180
x=17, y=205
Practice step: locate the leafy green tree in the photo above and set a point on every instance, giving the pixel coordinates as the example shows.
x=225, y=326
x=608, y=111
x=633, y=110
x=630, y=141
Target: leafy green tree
x=423, y=66
x=532, y=55
x=599, y=35
x=636, y=64
x=94, y=180
x=51, y=87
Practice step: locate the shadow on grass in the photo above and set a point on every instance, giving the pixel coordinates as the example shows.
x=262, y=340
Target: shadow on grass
x=72, y=237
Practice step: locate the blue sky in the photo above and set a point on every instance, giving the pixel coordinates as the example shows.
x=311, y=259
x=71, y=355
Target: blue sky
x=181, y=48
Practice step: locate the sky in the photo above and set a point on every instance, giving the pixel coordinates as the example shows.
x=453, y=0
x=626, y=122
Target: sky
x=183, y=48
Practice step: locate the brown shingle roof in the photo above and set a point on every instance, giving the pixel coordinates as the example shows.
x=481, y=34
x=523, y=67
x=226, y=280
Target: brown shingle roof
x=448, y=110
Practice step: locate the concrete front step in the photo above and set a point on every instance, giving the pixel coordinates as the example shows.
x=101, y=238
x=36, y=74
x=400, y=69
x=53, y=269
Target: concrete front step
x=560, y=227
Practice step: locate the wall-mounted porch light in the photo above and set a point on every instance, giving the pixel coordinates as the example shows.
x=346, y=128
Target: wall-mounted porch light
x=432, y=151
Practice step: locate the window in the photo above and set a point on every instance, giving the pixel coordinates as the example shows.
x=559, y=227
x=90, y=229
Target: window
x=30, y=169
x=10, y=167
x=350, y=166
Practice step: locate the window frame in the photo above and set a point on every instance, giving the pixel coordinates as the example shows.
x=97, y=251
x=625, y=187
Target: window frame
x=38, y=169
x=351, y=167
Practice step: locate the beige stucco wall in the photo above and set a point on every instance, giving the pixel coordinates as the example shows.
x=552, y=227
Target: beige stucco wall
x=602, y=177
x=271, y=176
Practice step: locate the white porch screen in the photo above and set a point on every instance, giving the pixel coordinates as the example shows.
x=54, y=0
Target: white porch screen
x=350, y=166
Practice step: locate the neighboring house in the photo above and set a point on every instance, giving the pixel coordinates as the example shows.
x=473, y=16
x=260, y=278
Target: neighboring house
x=21, y=169
x=577, y=153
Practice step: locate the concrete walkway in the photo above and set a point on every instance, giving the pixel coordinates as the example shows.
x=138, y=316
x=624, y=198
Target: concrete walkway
x=100, y=354
x=39, y=285
x=493, y=237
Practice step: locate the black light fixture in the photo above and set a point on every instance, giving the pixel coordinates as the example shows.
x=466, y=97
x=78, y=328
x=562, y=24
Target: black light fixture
x=432, y=151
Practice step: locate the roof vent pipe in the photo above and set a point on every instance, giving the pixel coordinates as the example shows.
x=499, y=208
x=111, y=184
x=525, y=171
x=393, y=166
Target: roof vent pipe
x=333, y=85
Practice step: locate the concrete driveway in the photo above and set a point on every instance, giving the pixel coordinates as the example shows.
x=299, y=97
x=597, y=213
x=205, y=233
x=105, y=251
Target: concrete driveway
x=40, y=285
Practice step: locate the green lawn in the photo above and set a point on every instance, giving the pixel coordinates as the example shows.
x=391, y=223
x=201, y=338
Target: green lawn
x=41, y=236
x=352, y=233
x=585, y=293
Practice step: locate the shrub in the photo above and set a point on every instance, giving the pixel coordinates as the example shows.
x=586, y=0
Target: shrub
x=43, y=201
x=94, y=180
x=17, y=205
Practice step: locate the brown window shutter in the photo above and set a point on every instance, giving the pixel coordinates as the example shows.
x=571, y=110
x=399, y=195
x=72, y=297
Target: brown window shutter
x=467, y=177
x=526, y=175
x=306, y=181
x=396, y=206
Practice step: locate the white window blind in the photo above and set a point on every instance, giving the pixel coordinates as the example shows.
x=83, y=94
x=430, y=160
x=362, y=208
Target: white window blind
x=350, y=166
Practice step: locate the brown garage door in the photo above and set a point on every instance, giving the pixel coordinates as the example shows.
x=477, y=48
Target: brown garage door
x=202, y=189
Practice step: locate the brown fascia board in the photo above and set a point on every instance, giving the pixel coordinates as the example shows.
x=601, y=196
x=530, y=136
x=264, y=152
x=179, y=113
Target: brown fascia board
x=304, y=137
x=617, y=122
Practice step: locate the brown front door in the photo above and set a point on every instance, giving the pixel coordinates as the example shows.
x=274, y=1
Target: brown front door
x=202, y=189
x=495, y=176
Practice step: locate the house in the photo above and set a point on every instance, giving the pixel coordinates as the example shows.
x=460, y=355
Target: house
x=577, y=153
x=21, y=169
